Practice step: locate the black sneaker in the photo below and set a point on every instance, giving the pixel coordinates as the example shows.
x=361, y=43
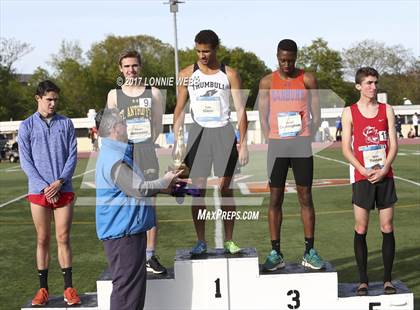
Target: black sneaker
x=153, y=265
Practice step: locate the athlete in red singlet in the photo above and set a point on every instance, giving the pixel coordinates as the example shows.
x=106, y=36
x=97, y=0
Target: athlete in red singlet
x=370, y=137
x=289, y=114
x=370, y=144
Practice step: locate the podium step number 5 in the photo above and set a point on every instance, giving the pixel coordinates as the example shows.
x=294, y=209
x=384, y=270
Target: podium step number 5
x=373, y=304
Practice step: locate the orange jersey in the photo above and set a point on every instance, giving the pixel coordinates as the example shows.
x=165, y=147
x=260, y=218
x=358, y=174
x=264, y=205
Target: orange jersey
x=289, y=113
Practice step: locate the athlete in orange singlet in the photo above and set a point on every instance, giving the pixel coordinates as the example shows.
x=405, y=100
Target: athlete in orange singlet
x=290, y=115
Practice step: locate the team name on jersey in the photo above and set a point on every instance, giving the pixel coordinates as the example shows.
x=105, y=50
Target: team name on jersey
x=208, y=84
x=288, y=94
x=136, y=111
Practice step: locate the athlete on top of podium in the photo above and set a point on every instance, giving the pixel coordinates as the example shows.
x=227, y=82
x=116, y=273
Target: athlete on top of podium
x=211, y=138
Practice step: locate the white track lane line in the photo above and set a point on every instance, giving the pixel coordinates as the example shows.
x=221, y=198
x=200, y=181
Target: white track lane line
x=347, y=164
x=218, y=229
x=23, y=196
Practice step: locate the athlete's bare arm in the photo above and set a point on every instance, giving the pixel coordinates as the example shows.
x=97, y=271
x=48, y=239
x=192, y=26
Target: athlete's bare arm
x=111, y=101
x=312, y=84
x=239, y=103
x=264, y=104
x=346, y=137
x=181, y=100
x=392, y=136
x=379, y=174
x=157, y=113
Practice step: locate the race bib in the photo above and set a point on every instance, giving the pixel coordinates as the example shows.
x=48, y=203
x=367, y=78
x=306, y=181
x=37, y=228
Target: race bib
x=145, y=103
x=208, y=109
x=139, y=130
x=289, y=124
x=374, y=156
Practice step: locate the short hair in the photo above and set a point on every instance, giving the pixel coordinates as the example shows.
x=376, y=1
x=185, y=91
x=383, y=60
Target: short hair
x=365, y=72
x=105, y=120
x=129, y=54
x=45, y=87
x=287, y=45
x=207, y=37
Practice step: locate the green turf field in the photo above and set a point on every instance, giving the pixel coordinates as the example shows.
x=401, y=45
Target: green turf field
x=334, y=229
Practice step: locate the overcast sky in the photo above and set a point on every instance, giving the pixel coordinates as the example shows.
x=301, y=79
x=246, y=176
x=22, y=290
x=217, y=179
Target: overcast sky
x=256, y=26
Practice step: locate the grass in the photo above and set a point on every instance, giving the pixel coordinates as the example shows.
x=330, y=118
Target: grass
x=334, y=229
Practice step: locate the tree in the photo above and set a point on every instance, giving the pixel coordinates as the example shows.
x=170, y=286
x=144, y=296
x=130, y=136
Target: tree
x=68, y=50
x=72, y=75
x=11, y=99
x=74, y=79
x=400, y=86
x=11, y=50
x=10, y=96
x=370, y=53
x=327, y=65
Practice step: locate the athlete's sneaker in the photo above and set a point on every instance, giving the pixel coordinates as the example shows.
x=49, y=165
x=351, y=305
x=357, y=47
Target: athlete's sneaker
x=41, y=297
x=231, y=248
x=71, y=297
x=199, y=248
x=273, y=261
x=313, y=260
x=153, y=265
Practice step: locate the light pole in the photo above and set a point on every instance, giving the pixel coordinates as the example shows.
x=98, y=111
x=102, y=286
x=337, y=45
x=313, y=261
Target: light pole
x=173, y=6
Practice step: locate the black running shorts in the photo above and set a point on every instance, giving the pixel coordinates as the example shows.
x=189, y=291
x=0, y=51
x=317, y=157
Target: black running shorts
x=294, y=153
x=381, y=195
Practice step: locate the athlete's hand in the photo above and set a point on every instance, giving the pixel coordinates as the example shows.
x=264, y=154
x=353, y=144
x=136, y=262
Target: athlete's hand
x=243, y=155
x=170, y=178
x=367, y=172
x=377, y=175
x=53, y=189
x=315, y=124
x=54, y=199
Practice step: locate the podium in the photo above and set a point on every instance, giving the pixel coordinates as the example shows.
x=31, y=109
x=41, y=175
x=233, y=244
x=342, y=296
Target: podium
x=236, y=282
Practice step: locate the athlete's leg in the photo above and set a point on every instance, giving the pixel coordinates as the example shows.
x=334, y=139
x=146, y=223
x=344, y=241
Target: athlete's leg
x=278, y=175
x=275, y=212
x=388, y=242
x=303, y=173
x=42, y=220
x=361, y=217
x=151, y=238
x=63, y=217
x=152, y=233
x=306, y=209
x=274, y=259
x=198, y=203
x=227, y=205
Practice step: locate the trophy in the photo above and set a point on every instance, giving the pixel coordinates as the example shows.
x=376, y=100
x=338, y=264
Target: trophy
x=182, y=188
x=178, y=160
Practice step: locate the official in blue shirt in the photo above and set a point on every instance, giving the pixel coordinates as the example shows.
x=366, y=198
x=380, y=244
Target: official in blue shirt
x=124, y=211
